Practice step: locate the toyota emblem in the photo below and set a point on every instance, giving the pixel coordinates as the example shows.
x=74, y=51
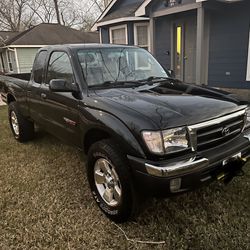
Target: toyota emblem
x=225, y=131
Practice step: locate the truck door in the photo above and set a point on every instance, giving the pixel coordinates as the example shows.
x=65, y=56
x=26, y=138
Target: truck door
x=60, y=110
x=33, y=91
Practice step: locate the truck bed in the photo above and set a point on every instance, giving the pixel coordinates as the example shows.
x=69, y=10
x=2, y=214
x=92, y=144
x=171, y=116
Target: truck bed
x=15, y=80
x=22, y=76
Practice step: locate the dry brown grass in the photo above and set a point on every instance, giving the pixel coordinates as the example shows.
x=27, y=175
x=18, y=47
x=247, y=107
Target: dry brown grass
x=45, y=203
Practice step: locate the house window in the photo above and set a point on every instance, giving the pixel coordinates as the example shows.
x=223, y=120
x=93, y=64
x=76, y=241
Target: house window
x=9, y=59
x=248, y=62
x=118, y=34
x=142, y=38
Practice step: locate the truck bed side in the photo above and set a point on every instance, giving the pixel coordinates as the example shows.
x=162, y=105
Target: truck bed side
x=13, y=88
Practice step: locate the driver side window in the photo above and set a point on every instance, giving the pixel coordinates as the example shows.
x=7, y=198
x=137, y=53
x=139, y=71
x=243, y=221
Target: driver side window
x=60, y=67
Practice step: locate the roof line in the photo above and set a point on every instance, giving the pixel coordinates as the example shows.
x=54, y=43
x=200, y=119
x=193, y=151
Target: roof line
x=141, y=11
x=119, y=20
x=22, y=34
x=111, y=4
x=13, y=39
x=23, y=46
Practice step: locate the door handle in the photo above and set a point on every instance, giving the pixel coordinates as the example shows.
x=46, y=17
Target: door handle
x=44, y=96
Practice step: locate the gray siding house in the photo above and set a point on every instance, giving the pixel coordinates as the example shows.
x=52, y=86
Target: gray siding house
x=202, y=41
x=18, y=50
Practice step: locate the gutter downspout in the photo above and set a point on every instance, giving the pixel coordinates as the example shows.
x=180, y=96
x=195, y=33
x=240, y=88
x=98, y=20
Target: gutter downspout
x=17, y=61
x=2, y=63
x=13, y=50
x=16, y=58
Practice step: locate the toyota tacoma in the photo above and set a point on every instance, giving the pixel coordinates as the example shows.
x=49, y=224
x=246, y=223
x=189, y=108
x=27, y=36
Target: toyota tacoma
x=144, y=132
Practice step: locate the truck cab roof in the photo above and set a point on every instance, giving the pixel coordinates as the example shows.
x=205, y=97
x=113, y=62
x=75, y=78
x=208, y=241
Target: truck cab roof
x=86, y=46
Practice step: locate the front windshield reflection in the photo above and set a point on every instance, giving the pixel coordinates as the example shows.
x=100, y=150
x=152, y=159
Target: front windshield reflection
x=116, y=65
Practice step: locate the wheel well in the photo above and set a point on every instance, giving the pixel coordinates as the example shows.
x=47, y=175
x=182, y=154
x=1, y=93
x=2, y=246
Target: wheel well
x=10, y=98
x=93, y=136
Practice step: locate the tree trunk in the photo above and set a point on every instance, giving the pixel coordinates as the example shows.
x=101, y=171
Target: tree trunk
x=57, y=12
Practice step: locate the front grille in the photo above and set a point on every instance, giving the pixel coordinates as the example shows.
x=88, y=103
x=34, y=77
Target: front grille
x=216, y=132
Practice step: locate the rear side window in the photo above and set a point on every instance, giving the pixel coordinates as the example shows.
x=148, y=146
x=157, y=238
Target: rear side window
x=60, y=67
x=39, y=66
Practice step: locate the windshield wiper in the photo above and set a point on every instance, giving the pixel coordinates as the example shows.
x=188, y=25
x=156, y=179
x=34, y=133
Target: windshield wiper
x=152, y=79
x=116, y=84
x=157, y=80
x=133, y=83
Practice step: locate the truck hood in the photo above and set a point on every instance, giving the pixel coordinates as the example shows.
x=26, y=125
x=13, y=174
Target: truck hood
x=171, y=105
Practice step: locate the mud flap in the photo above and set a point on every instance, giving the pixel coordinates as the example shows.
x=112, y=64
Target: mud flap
x=232, y=169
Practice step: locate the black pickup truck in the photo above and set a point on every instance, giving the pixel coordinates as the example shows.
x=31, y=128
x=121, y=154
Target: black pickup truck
x=144, y=132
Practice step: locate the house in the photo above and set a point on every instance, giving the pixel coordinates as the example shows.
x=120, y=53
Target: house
x=4, y=37
x=18, y=50
x=203, y=42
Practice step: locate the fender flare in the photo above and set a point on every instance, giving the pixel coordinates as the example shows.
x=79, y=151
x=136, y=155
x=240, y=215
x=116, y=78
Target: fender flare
x=10, y=95
x=100, y=120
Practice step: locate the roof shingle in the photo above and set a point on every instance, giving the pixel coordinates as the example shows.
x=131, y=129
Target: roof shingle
x=6, y=35
x=50, y=34
x=122, y=10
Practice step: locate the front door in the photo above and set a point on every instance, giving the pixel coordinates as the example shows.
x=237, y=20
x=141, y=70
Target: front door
x=34, y=99
x=60, y=110
x=185, y=49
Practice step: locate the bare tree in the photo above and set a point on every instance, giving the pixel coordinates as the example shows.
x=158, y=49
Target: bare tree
x=17, y=15
x=11, y=14
x=44, y=10
x=102, y=4
x=72, y=15
x=57, y=11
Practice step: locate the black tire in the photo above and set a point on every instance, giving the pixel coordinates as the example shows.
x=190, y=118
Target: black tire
x=25, y=127
x=128, y=205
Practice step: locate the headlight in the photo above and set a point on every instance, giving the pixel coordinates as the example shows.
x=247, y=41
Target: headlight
x=175, y=139
x=248, y=119
x=167, y=141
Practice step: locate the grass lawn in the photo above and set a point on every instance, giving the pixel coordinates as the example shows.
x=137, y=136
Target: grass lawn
x=45, y=203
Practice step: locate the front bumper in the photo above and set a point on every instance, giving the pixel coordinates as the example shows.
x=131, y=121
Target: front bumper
x=191, y=171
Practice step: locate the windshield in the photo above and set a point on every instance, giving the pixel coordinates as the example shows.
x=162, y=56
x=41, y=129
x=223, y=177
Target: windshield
x=114, y=65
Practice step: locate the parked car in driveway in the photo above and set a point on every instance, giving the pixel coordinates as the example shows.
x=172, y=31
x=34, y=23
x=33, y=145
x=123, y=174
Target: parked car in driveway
x=144, y=132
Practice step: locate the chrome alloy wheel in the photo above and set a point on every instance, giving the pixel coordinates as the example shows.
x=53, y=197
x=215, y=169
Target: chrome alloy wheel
x=14, y=122
x=107, y=182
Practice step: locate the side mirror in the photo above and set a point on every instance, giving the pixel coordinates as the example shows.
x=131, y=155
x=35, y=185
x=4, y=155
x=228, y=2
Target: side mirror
x=61, y=85
x=171, y=73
